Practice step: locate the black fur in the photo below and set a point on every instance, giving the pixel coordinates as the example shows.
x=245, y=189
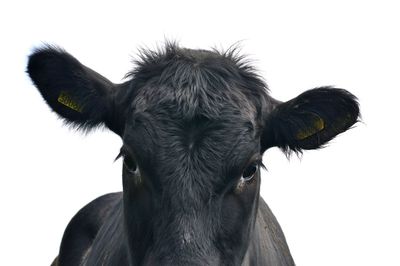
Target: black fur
x=192, y=122
x=53, y=71
x=337, y=108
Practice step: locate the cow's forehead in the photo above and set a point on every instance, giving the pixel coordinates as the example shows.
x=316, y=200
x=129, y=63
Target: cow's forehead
x=196, y=83
x=190, y=103
x=199, y=131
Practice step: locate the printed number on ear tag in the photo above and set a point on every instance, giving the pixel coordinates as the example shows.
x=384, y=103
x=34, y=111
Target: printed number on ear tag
x=65, y=99
x=317, y=126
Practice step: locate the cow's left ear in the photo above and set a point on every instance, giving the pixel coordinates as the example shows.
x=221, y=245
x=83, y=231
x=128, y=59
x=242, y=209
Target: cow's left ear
x=78, y=94
x=310, y=120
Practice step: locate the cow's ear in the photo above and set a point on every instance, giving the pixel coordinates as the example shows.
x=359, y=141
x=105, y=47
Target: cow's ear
x=310, y=120
x=80, y=95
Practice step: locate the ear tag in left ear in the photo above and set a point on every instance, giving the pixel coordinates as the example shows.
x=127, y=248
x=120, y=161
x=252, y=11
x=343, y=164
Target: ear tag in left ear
x=65, y=99
x=317, y=126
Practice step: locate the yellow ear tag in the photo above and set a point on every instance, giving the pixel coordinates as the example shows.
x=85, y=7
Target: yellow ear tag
x=317, y=126
x=65, y=99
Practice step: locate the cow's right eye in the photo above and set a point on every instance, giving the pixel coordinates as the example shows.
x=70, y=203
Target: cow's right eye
x=130, y=164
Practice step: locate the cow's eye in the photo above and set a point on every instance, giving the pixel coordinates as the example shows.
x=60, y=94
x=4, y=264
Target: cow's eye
x=250, y=171
x=130, y=164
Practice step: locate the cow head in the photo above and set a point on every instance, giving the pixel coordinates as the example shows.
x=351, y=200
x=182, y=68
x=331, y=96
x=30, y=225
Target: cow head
x=194, y=126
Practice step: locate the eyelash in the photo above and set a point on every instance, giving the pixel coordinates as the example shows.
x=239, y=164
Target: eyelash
x=259, y=162
x=250, y=170
x=122, y=153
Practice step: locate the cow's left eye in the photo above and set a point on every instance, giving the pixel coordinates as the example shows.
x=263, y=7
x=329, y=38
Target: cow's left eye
x=249, y=172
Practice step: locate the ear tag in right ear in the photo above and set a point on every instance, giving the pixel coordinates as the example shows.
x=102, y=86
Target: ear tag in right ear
x=65, y=99
x=317, y=125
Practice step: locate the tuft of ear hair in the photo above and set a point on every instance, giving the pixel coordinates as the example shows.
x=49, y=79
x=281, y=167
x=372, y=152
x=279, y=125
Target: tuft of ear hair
x=310, y=120
x=77, y=93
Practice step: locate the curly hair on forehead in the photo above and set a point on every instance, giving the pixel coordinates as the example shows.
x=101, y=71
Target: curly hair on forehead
x=197, y=81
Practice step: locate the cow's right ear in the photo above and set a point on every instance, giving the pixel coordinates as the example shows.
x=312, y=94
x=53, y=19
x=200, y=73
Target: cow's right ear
x=310, y=120
x=78, y=94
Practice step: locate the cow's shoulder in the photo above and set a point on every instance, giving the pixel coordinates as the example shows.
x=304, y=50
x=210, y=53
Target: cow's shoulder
x=84, y=226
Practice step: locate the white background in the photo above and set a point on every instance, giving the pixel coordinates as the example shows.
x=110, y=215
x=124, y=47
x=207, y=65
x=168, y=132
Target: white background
x=337, y=206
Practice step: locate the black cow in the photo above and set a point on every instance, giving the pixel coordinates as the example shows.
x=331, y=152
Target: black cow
x=194, y=125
